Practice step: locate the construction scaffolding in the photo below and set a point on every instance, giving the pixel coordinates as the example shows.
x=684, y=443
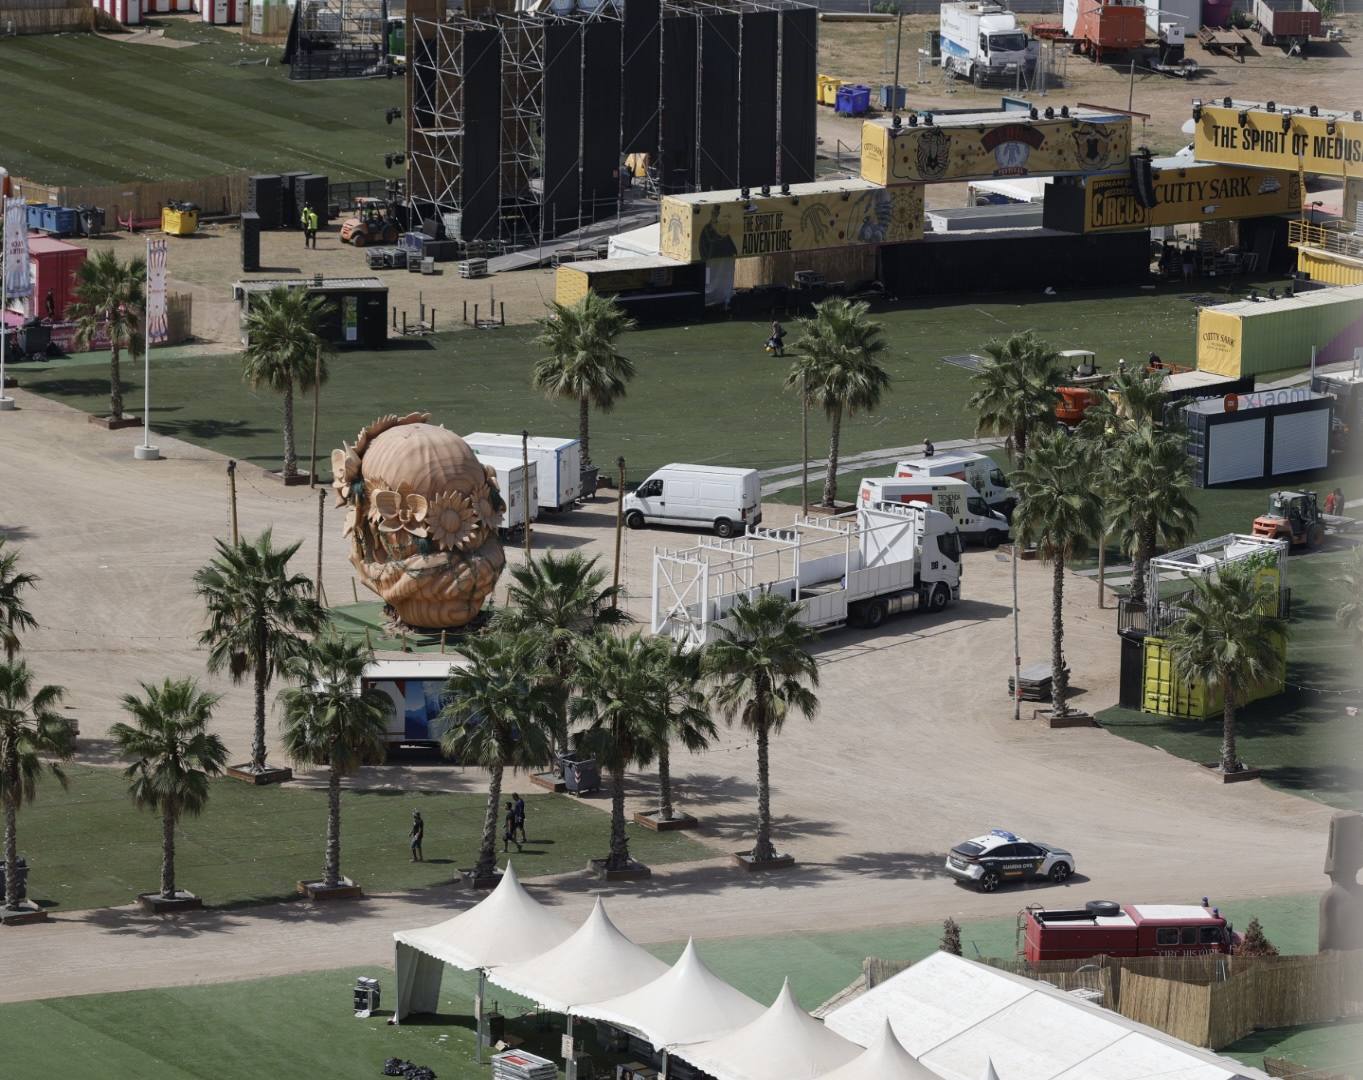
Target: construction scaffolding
x=337, y=39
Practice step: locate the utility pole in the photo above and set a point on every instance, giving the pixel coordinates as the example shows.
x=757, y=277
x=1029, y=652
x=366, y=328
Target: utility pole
x=525, y=487
x=321, y=515
x=804, y=448
x=619, y=528
x=316, y=409
x=1017, y=640
x=232, y=496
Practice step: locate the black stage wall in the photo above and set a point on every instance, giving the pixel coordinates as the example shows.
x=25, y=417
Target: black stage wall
x=677, y=102
x=480, y=190
x=562, y=115
x=799, y=44
x=757, y=150
x=639, y=65
x=717, y=139
x=601, y=157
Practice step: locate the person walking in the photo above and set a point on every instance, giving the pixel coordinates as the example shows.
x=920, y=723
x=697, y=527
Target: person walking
x=509, y=829
x=928, y=448
x=416, y=835
x=518, y=808
x=309, y=227
x=777, y=342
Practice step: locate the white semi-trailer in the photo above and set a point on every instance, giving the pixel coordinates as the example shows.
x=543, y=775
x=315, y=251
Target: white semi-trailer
x=983, y=40
x=856, y=568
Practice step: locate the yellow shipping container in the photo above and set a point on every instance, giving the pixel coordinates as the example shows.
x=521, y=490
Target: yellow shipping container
x=1166, y=694
x=1250, y=337
x=1328, y=268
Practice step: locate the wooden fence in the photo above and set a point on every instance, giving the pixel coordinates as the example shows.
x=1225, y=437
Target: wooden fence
x=143, y=201
x=45, y=16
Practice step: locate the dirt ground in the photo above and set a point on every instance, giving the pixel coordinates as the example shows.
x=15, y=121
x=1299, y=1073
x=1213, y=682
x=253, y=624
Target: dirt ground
x=1330, y=76
x=914, y=749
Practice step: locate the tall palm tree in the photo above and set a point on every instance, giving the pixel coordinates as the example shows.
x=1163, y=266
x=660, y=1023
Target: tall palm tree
x=1349, y=613
x=110, y=302
x=760, y=673
x=329, y=720
x=174, y=755
x=501, y=713
x=1149, y=498
x=286, y=351
x=257, y=611
x=561, y=599
x=583, y=364
x=1059, y=510
x=836, y=369
x=677, y=675
x=622, y=726
x=1141, y=395
x=32, y=736
x=1014, y=394
x=14, y=613
x=1229, y=637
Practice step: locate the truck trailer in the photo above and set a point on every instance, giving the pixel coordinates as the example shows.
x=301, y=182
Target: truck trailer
x=1105, y=928
x=981, y=41
x=1289, y=23
x=1105, y=26
x=511, y=482
x=856, y=568
x=949, y=494
x=558, y=464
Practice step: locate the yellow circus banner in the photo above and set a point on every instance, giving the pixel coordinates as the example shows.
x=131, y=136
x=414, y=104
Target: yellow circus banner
x=839, y=213
x=988, y=146
x=1330, y=144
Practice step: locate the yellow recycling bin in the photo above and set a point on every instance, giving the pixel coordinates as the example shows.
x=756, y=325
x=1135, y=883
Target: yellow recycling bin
x=180, y=219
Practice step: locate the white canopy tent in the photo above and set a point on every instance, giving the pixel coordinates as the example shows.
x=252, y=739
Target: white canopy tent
x=784, y=1043
x=884, y=1059
x=505, y=927
x=687, y=1003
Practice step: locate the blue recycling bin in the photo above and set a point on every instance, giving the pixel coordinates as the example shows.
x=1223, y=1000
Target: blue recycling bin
x=853, y=100
x=893, y=97
x=35, y=214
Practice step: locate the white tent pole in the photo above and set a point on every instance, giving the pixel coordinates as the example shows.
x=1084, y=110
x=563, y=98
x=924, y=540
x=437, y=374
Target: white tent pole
x=570, y=1062
x=664, y=1074
x=4, y=306
x=478, y=1016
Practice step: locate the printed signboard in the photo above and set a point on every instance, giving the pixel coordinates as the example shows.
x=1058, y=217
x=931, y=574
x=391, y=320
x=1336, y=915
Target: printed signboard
x=415, y=707
x=1321, y=145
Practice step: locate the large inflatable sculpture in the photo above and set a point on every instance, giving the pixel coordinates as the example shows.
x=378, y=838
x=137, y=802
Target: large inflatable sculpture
x=422, y=520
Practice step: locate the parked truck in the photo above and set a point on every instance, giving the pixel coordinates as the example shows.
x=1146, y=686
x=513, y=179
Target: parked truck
x=980, y=471
x=984, y=40
x=1289, y=23
x=512, y=476
x=1105, y=928
x=858, y=568
x=949, y=494
x=558, y=464
x=1104, y=26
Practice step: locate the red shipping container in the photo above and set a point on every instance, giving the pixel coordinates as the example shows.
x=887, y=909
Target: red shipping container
x=54, y=264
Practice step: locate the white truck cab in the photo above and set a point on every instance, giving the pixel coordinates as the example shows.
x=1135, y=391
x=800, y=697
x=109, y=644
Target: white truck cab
x=725, y=500
x=977, y=470
x=949, y=494
x=980, y=40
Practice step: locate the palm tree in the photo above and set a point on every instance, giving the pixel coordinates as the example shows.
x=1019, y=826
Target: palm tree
x=583, y=364
x=110, y=302
x=760, y=673
x=677, y=675
x=329, y=720
x=501, y=711
x=1349, y=614
x=1015, y=392
x=1059, y=510
x=836, y=368
x=1141, y=395
x=256, y=612
x=32, y=736
x=1149, y=498
x=286, y=351
x=174, y=755
x=560, y=599
x=617, y=704
x=1229, y=637
x=14, y=614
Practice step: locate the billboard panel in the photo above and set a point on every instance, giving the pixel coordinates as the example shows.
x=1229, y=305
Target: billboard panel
x=1322, y=145
x=414, y=710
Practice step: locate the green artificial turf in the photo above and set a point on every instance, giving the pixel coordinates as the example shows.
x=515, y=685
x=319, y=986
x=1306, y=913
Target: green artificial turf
x=1334, y=1049
x=85, y=110
x=89, y=847
x=1303, y=739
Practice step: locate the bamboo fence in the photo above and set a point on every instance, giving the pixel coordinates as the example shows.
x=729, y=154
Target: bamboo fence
x=45, y=16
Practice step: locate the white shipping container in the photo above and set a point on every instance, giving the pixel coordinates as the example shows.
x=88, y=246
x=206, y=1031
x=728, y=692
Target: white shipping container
x=558, y=464
x=511, y=480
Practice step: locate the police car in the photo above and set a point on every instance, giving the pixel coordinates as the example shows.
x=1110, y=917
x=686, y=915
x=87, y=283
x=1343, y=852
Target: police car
x=1001, y=856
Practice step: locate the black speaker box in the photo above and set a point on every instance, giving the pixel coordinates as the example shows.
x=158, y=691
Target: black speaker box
x=262, y=196
x=250, y=241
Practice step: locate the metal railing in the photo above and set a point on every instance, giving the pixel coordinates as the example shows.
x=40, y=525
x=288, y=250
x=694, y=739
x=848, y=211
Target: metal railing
x=1325, y=238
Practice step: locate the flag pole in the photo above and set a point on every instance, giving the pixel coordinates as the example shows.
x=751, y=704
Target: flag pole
x=6, y=402
x=146, y=452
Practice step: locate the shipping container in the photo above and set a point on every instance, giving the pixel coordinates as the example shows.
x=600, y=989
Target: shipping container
x=127, y=12
x=54, y=264
x=357, y=314
x=219, y=12
x=1100, y=28
x=1250, y=337
x=1248, y=436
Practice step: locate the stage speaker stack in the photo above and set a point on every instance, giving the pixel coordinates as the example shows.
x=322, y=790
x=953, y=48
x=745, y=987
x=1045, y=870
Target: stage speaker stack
x=288, y=200
x=1143, y=179
x=250, y=241
x=311, y=190
x=262, y=196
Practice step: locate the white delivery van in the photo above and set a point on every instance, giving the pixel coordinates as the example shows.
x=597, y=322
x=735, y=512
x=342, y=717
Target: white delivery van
x=558, y=462
x=949, y=494
x=977, y=470
x=511, y=479
x=416, y=693
x=713, y=497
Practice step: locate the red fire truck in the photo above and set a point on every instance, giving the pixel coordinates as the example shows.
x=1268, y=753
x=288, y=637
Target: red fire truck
x=1105, y=928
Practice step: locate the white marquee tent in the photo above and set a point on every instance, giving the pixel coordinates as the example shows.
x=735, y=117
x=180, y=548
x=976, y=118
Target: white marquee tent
x=505, y=927
x=784, y=1043
x=687, y=1003
x=884, y=1059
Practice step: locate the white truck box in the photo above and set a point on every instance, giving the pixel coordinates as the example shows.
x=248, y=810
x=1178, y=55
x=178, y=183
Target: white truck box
x=977, y=470
x=415, y=690
x=511, y=483
x=983, y=39
x=558, y=464
x=949, y=494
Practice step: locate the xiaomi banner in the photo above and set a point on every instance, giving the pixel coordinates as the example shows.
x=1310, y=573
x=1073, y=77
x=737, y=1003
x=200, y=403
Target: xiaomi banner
x=1270, y=140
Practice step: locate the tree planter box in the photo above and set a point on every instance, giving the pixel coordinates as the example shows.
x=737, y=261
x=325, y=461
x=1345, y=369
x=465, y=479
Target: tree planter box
x=745, y=861
x=315, y=890
x=1073, y=718
x=297, y=479
x=156, y=904
x=636, y=871
x=1213, y=769
x=549, y=781
x=27, y=912
x=653, y=820
x=482, y=884
x=125, y=421
x=271, y=774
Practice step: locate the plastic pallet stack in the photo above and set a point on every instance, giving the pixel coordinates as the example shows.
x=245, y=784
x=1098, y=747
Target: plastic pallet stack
x=518, y=1065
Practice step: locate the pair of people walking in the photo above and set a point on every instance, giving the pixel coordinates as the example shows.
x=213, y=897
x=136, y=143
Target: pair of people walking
x=513, y=831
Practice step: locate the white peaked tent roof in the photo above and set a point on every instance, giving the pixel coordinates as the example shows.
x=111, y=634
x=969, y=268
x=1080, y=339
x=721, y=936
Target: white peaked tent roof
x=506, y=926
x=596, y=962
x=784, y=1043
x=687, y=1003
x=884, y=1059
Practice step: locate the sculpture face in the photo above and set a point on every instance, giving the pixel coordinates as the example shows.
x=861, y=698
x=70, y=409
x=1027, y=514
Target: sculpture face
x=422, y=519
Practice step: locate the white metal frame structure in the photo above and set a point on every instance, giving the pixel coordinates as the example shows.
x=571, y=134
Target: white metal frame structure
x=1200, y=560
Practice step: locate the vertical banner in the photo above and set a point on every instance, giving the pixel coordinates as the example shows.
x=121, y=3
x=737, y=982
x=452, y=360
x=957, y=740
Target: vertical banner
x=17, y=280
x=158, y=327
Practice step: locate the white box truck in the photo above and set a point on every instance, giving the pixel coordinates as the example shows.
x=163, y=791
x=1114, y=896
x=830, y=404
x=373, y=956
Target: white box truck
x=415, y=689
x=949, y=494
x=856, y=568
x=984, y=40
x=709, y=496
x=558, y=464
x=511, y=480
x=977, y=470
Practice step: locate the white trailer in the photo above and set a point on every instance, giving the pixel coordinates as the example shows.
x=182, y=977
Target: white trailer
x=558, y=464
x=984, y=40
x=856, y=568
x=949, y=494
x=415, y=689
x=511, y=479
x=980, y=471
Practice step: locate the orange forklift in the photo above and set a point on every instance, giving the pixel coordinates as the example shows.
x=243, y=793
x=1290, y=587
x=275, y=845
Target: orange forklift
x=1294, y=516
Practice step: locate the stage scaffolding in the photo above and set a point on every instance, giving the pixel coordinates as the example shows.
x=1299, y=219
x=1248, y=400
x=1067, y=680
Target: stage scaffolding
x=337, y=39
